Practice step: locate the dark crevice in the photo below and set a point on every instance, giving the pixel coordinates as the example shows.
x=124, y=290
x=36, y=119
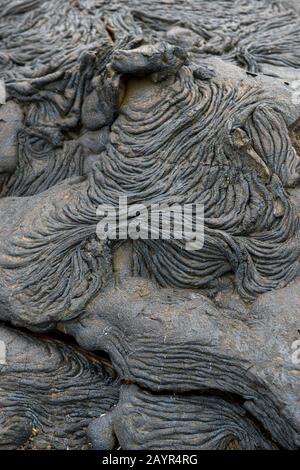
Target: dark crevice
x=66, y=339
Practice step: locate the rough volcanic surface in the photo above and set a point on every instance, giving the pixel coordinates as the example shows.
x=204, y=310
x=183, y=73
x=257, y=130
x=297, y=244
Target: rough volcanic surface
x=141, y=343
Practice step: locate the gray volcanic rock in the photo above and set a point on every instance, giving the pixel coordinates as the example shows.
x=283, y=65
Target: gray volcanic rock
x=170, y=341
x=50, y=392
x=149, y=421
x=160, y=104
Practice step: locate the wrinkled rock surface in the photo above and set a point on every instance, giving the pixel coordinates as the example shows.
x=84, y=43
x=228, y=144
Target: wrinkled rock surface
x=142, y=343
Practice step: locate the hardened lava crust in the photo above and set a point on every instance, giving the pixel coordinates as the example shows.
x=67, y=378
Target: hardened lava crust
x=140, y=342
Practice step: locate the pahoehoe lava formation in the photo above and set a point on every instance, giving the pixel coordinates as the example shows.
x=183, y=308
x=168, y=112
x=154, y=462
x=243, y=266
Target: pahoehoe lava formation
x=161, y=103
